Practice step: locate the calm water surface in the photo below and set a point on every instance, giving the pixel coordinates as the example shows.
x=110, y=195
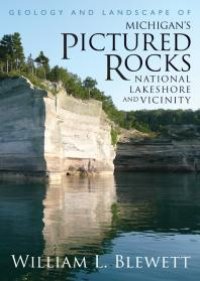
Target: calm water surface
x=132, y=215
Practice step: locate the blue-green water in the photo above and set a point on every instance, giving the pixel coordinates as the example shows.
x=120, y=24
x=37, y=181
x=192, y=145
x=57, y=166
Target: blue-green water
x=132, y=215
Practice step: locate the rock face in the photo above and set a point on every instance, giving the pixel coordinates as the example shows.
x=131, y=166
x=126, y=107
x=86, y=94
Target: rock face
x=179, y=151
x=45, y=133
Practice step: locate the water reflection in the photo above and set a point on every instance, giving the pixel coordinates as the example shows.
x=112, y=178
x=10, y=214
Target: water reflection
x=77, y=214
x=159, y=202
x=139, y=213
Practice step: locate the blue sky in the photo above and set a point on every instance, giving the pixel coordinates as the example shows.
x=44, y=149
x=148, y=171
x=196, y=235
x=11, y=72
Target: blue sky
x=44, y=33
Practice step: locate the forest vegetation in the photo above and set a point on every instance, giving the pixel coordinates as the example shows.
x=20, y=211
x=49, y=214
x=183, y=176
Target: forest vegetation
x=13, y=63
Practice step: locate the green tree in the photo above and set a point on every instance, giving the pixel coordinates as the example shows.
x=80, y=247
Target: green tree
x=11, y=52
x=43, y=65
x=57, y=74
x=90, y=84
x=6, y=52
x=17, y=51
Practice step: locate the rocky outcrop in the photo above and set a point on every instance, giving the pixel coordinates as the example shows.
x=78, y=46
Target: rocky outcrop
x=179, y=150
x=45, y=133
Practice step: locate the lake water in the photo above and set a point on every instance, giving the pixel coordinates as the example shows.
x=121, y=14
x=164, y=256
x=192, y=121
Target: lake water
x=129, y=214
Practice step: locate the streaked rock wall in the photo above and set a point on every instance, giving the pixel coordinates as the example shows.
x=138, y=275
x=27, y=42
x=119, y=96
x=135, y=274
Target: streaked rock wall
x=158, y=154
x=45, y=133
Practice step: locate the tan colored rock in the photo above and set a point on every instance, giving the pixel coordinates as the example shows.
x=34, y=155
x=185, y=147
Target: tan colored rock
x=45, y=133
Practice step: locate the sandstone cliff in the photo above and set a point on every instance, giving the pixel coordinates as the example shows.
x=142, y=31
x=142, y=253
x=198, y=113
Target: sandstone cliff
x=45, y=133
x=179, y=150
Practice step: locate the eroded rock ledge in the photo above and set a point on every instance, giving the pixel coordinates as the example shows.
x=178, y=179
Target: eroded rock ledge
x=178, y=151
x=43, y=133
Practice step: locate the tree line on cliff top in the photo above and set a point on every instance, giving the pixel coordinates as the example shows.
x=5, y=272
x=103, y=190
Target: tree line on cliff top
x=14, y=63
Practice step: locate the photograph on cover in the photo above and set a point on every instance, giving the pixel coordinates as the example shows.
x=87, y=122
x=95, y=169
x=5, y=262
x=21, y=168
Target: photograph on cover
x=99, y=140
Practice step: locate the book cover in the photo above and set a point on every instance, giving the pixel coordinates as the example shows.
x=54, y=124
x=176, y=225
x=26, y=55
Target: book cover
x=99, y=140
